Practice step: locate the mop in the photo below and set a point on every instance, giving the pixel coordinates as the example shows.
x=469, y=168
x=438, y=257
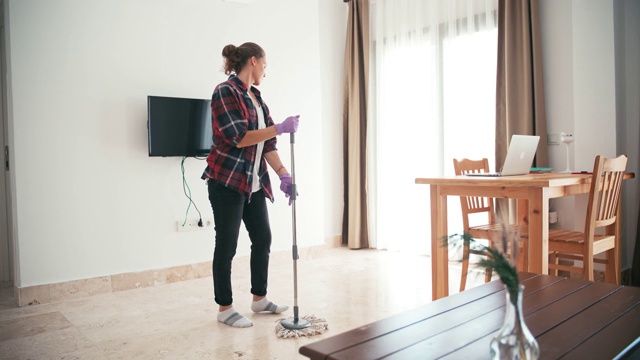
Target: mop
x=309, y=325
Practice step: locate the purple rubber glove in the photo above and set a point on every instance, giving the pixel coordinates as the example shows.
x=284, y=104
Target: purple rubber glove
x=285, y=186
x=289, y=125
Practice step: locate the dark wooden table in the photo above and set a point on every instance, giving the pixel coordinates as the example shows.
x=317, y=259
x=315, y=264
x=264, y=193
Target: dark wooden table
x=570, y=318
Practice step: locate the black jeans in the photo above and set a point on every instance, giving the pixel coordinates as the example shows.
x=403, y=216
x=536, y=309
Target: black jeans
x=229, y=209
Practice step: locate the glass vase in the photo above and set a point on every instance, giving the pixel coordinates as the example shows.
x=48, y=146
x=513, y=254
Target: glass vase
x=514, y=340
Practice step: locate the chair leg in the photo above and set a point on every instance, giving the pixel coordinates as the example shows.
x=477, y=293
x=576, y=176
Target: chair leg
x=587, y=268
x=465, y=267
x=487, y=275
x=610, y=274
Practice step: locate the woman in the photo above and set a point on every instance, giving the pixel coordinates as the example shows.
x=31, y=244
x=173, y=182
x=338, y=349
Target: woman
x=244, y=138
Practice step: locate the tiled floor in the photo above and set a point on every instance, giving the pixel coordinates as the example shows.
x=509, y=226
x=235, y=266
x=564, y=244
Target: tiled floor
x=177, y=321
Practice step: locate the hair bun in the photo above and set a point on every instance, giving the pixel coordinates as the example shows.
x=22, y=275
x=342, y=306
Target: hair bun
x=229, y=51
x=235, y=57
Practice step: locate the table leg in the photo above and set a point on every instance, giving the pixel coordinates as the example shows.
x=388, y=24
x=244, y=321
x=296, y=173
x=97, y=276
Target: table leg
x=523, y=212
x=523, y=219
x=538, y=244
x=439, y=251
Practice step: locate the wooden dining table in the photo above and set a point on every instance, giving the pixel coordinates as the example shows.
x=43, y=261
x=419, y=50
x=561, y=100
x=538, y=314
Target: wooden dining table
x=570, y=319
x=532, y=191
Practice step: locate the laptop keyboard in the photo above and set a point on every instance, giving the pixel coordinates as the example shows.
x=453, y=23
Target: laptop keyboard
x=484, y=174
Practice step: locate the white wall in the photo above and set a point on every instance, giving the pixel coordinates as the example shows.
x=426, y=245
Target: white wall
x=333, y=34
x=579, y=62
x=594, y=88
x=556, y=23
x=594, y=81
x=89, y=201
x=579, y=75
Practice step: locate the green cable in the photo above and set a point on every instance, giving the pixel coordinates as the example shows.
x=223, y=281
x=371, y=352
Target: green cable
x=184, y=182
x=185, y=187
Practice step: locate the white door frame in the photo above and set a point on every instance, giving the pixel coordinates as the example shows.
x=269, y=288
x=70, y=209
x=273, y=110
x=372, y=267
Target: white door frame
x=6, y=223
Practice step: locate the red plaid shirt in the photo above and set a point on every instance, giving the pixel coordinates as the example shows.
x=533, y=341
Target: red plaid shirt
x=233, y=115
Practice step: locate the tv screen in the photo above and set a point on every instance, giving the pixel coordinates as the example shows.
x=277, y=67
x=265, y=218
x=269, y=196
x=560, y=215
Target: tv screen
x=179, y=126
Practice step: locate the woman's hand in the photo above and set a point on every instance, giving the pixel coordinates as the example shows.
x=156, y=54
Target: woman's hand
x=289, y=125
x=286, y=186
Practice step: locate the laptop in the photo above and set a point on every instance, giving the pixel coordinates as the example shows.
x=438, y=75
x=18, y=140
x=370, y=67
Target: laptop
x=522, y=150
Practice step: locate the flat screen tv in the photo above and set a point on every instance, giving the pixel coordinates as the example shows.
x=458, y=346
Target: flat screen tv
x=179, y=126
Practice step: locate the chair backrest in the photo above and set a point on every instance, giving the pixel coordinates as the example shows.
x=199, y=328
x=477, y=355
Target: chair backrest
x=473, y=204
x=605, y=192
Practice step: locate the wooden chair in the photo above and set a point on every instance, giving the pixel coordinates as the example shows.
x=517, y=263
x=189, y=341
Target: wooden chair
x=602, y=210
x=474, y=205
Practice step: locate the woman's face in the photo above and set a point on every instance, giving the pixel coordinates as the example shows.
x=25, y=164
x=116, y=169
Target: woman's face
x=259, y=69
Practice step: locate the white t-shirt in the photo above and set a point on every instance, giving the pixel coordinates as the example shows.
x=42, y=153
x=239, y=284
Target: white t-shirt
x=255, y=186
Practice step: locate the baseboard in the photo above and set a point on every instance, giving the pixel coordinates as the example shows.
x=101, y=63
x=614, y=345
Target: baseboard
x=57, y=292
x=598, y=275
x=333, y=241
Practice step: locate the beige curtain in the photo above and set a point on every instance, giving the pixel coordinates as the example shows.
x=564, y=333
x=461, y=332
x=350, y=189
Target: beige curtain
x=520, y=107
x=355, y=224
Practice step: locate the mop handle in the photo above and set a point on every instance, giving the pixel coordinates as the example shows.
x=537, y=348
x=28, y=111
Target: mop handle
x=294, y=248
x=294, y=192
x=293, y=171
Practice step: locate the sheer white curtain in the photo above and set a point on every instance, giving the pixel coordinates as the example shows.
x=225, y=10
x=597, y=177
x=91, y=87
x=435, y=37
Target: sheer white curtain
x=432, y=100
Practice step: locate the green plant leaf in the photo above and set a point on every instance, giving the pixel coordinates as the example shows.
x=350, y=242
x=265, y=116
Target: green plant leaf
x=495, y=260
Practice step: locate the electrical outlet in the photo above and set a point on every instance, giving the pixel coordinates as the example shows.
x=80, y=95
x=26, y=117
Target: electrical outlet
x=566, y=138
x=192, y=225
